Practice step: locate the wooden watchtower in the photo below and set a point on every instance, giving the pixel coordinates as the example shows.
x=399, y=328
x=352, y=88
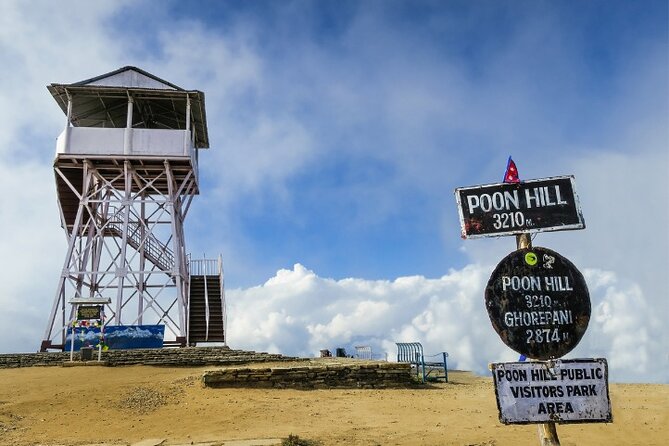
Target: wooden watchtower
x=126, y=172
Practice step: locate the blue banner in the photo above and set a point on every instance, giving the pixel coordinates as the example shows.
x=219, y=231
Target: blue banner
x=117, y=337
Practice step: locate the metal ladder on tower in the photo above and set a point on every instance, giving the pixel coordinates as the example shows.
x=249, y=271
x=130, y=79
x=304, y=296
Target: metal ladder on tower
x=206, y=304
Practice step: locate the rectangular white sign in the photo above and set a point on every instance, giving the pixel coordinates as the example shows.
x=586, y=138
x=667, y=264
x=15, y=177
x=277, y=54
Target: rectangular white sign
x=560, y=391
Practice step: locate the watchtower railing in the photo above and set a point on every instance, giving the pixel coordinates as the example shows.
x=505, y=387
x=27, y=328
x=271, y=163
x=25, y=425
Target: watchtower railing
x=205, y=267
x=111, y=142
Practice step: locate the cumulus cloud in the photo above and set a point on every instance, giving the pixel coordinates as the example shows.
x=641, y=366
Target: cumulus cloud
x=43, y=43
x=28, y=267
x=296, y=312
x=626, y=328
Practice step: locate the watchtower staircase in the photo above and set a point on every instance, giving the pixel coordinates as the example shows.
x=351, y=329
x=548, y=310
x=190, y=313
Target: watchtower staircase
x=206, y=303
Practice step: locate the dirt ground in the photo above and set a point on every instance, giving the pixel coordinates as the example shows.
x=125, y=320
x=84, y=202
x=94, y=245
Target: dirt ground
x=125, y=405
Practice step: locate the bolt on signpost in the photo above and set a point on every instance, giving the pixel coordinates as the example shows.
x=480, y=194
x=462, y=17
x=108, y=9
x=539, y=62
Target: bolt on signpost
x=538, y=303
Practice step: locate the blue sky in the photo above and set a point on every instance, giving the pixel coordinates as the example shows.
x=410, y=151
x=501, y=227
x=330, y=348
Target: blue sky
x=339, y=131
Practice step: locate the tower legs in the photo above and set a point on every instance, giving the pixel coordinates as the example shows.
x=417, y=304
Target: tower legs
x=124, y=224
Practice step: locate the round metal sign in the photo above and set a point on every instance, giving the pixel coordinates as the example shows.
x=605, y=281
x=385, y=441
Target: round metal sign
x=538, y=303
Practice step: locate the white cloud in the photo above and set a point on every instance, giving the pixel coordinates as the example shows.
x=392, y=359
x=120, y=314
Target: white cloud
x=627, y=328
x=298, y=313
x=29, y=267
x=45, y=42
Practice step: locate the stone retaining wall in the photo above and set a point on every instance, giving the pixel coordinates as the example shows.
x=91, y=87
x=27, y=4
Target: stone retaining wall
x=314, y=374
x=351, y=375
x=187, y=356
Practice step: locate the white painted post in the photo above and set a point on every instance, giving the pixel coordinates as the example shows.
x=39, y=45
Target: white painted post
x=122, y=270
x=72, y=338
x=186, y=134
x=141, y=286
x=70, y=249
x=102, y=331
x=173, y=208
x=66, y=134
x=127, y=137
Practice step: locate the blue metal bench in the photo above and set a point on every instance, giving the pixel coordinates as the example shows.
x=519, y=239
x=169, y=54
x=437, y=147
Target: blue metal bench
x=412, y=352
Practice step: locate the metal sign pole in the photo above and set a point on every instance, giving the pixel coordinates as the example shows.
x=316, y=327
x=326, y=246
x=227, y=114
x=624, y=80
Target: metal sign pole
x=73, y=325
x=547, y=432
x=102, y=332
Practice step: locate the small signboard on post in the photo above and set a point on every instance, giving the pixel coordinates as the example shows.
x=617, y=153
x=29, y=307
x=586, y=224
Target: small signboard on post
x=88, y=305
x=560, y=391
x=538, y=303
x=85, y=312
x=547, y=204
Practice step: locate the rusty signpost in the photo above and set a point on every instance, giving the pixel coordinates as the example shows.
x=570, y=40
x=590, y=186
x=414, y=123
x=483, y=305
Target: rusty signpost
x=538, y=303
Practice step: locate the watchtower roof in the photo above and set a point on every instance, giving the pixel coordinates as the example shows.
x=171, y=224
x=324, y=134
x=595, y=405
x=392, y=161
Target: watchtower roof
x=102, y=102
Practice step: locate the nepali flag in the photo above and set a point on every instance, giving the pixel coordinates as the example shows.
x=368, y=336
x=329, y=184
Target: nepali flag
x=511, y=175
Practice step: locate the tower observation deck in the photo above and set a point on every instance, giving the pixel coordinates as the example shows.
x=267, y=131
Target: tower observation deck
x=126, y=170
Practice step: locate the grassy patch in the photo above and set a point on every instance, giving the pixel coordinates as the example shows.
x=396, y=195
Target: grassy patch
x=294, y=440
